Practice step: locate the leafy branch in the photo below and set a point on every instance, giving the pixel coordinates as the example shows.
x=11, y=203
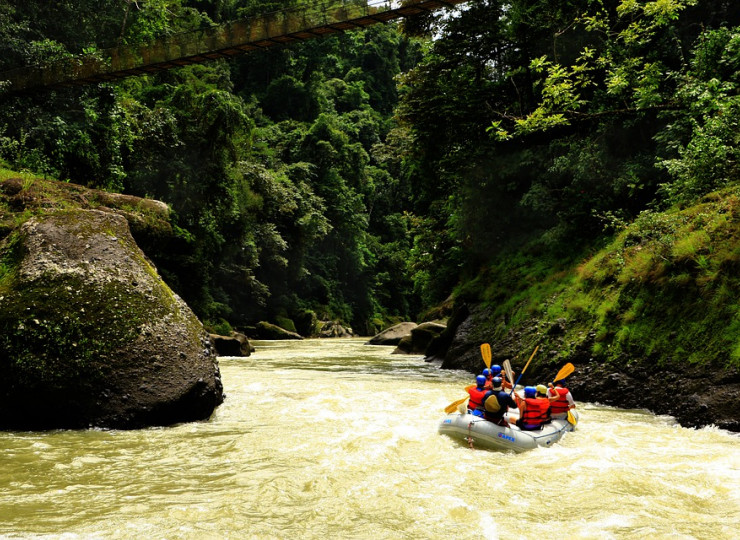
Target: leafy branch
x=615, y=73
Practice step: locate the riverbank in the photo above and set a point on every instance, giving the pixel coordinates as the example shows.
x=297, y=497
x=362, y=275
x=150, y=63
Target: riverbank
x=696, y=395
x=650, y=319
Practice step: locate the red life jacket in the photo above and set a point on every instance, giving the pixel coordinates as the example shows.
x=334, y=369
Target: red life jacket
x=537, y=411
x=561, y=405
x=476, y=398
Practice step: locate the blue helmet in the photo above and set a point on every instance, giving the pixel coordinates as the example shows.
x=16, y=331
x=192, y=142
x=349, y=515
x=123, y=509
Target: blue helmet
x=480, y=380
x=487, y=372
x=530, y=391
x=496, y=369
x=496, y=382
x=561, y=382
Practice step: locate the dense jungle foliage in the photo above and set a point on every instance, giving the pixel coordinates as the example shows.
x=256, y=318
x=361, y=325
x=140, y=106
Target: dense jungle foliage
x=365, y=177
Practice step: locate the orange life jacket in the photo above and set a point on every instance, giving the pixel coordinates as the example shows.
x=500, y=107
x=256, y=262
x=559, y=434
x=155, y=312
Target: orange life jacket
x=561, y=405
x=476, y=398
x=536, y=412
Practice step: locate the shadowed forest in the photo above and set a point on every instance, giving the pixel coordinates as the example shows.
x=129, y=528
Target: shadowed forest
x=532, y=156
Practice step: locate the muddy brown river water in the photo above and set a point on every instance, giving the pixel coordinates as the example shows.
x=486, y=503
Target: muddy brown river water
x=325, y=439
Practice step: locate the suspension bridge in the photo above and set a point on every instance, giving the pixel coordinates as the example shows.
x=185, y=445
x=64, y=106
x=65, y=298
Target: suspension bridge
x=223, y=41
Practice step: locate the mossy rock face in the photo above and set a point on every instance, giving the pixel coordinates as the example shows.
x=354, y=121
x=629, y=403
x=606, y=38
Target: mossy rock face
x=269, y=331
x=285, y=322
x=91, y=336
x=306, y=323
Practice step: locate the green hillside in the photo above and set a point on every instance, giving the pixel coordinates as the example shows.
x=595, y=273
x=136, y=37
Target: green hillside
x=664, y=288
x=566, y=171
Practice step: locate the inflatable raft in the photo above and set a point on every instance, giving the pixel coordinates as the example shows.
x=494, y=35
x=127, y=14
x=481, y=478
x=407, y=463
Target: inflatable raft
x=480, y=433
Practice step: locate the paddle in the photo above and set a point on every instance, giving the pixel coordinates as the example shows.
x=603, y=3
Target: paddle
x=485, y=352
x=525, y=369
x=566, y=370
x=455, y=404
x=507, y=369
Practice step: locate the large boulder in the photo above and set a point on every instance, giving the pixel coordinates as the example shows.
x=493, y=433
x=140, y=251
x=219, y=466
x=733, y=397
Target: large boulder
x=463, y=350
x=418, y=341
x=306, y=323
x=90, y=335
x=393, y=335
x=334, y=329
x=234, y=345
x=269, y=331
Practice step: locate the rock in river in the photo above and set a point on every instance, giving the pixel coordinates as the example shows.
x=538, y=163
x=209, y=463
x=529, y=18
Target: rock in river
x=393, y=335
x=90, y=335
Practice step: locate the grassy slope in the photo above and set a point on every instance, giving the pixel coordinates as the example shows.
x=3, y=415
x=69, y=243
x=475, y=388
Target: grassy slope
x=663, y=290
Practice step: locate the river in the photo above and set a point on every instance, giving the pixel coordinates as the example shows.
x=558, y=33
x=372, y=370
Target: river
x=324, y=439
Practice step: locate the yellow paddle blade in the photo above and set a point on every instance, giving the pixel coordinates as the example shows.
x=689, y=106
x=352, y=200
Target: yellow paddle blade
x=566, y=370
x=452, y=407
x=571, y=418
x=455, y=404
x=485, y=352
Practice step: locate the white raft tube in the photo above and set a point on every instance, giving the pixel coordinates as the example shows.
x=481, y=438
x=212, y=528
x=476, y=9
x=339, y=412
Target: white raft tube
x=480, y=433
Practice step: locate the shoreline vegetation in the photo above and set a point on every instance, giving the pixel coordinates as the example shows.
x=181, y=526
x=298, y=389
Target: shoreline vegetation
x=650, y=319
x=561, y=174
x=626, y=315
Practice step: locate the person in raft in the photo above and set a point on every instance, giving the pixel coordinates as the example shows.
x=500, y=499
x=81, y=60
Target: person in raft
x=496, y=403
x=534, y=409
x=494, y=371
x=475, y=403
x=563, y=402
x=488, y=374
x=505, y=382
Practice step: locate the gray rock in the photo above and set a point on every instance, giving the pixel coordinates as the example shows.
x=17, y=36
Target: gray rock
x=234, y=345
x=91, y=335
x=269, y=331
x=419, y=339
x=393, y=335
x=333, y=329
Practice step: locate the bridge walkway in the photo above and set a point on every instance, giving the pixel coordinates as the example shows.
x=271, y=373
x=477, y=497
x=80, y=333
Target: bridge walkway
x=223, y=41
